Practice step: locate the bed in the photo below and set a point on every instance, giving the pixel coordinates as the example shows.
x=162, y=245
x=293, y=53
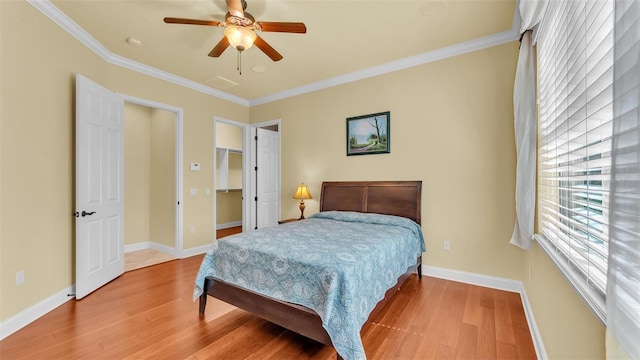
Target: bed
x=369, y=230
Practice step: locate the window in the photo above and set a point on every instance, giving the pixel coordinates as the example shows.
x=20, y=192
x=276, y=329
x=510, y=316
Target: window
x=575, y=85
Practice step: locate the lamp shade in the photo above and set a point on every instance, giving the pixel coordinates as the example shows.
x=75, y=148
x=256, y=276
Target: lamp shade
x=302, y=192
x=239, y=37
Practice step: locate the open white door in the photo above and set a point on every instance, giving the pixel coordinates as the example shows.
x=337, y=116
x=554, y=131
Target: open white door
x=99, y=186
x=268, y=178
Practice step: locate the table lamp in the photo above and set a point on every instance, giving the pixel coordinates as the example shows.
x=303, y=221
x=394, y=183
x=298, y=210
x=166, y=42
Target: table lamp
x=302, y=192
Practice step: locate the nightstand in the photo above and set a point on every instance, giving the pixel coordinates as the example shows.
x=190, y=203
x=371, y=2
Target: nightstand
x=287, y=221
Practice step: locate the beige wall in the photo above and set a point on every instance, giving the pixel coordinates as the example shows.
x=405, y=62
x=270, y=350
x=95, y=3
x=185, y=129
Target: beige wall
x=229, y=207
x=452, y=128
x=137, y=173
x=149, y=147
x=228, y=136
x=37, y=168
x=162, y=188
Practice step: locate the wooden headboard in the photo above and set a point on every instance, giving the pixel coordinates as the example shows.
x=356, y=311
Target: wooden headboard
x=400, y=198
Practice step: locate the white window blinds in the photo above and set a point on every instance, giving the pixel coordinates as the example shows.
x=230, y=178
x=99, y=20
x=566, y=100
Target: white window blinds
x=575, y=77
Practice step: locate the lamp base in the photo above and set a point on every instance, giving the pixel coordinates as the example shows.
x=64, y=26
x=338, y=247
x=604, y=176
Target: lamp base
x=302, y=206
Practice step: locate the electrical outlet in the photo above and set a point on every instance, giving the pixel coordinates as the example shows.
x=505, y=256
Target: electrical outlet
x=20, y=277
x=446, y=245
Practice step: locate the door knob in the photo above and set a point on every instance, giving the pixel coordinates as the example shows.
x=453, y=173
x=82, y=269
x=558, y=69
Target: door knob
x=84, y=213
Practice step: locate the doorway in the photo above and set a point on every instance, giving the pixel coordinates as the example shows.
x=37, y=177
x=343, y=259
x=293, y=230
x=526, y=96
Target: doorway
x=246, y=175
x=230, y=180
x=152, y=183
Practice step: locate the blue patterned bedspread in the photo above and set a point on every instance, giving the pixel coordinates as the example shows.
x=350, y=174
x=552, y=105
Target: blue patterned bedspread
x=339, y=264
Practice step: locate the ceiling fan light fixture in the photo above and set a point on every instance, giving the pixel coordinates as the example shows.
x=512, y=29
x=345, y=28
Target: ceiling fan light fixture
x=240, y=37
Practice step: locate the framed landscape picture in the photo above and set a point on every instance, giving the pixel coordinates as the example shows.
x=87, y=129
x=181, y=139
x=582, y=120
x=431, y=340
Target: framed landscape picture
x=369, y=134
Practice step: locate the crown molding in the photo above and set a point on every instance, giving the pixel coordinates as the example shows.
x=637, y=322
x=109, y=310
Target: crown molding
x=420, y=59
x=62, y=20
x=175, y=79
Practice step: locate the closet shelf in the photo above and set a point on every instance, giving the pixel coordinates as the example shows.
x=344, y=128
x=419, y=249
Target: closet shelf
x=229, y=169
x=227, y=190
x=231, y=150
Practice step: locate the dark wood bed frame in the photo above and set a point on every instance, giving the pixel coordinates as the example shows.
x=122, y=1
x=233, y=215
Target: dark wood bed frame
x=400, y=198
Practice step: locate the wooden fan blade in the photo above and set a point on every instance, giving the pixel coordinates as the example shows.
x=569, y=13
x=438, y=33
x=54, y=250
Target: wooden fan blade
x=288, y=27
x=220, y=47
x=267, y=49
x=171, y=20
x=235, y=8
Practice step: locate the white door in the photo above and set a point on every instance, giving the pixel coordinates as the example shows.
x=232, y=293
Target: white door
x=268, y=178
x=99, y=186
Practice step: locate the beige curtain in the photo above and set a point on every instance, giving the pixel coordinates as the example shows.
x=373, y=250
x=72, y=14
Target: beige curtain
x=525, y=123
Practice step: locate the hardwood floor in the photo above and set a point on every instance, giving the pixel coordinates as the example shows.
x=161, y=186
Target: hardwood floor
x=228, y=231
x=149, y=313
x=142, y=258
x=147, y=257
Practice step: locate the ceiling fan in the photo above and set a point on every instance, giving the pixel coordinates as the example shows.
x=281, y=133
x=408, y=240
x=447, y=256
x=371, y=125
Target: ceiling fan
x=241, y=28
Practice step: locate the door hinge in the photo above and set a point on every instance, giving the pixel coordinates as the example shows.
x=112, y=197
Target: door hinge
x=256, y=168
x=256, y=199
x=256, y=138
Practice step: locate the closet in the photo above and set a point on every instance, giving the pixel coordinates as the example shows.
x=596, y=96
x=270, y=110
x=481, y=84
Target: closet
x=228, y=175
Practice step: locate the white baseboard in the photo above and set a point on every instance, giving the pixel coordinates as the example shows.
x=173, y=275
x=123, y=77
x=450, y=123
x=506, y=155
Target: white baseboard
x=150, y=245
x=25, y=317
x=541, y=353
x=494, y=283
x=166, y=249
x=228, y=225
x=473, y=278
x=195, y=251
x=137, y=246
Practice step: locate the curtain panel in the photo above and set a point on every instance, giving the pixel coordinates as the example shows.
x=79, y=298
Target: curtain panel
x=525, y=123
x=623, y=280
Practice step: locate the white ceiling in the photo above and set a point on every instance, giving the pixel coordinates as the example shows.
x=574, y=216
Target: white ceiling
x=344, y=40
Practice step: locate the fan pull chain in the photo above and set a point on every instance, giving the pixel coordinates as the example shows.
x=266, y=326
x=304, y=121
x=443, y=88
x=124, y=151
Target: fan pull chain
x=239, y=62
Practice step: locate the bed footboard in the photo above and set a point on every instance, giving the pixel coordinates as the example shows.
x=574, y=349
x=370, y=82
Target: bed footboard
x=306, y=321
x=294, y=317
x=299, y=319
